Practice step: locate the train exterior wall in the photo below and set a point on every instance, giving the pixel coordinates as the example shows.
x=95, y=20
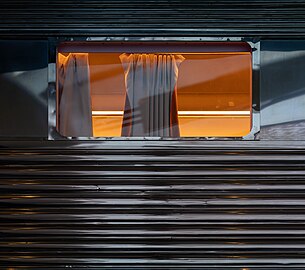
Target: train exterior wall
x=151, y=204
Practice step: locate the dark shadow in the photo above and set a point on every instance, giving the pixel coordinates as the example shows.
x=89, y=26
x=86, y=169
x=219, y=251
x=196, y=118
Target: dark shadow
x=23, y=95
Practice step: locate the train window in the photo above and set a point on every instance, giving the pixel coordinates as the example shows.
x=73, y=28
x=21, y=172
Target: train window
x=154, y=90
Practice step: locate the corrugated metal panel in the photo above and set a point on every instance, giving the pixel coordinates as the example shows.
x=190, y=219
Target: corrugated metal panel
x=153, y=18
x=130, y=205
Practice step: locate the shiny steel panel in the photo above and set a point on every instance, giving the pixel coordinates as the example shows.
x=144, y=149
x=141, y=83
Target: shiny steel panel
x=118, y=205
x=283, y=90
x=269, y=18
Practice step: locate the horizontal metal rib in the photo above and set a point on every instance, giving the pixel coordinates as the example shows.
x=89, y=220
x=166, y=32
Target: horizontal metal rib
x=153, y=18
x=136, y=205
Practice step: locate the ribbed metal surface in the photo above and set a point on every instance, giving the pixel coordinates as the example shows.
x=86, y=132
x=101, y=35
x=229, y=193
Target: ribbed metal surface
x=153, y=18
x=130, y=205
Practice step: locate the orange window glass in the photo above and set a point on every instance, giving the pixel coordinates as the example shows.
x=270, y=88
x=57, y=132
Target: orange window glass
x=164, y=94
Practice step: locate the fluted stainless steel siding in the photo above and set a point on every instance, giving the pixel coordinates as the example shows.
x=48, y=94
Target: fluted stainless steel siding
x=256, y=18
x=171, y=204
x=174, y=204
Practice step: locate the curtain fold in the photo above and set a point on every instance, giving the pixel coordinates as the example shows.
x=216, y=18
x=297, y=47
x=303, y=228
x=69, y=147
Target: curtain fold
x=151, y=94
x=74, y=99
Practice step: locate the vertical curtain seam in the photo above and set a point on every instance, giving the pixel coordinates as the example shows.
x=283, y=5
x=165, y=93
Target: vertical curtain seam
x=152, y=93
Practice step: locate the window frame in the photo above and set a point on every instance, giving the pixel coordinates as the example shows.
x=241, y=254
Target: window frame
x=53, y=134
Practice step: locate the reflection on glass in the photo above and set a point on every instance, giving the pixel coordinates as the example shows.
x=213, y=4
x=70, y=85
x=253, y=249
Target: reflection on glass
x=163, y=94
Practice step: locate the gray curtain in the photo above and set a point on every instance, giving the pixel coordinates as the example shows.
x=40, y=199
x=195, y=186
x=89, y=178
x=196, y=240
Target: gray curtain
x=74, y=99
x=151, y=94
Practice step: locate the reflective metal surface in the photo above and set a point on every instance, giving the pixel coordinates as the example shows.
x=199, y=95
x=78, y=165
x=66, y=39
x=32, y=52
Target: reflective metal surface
x=23, y=89
x=153, y=18
x=283, y=90
x=153, y=204
x=118, y=205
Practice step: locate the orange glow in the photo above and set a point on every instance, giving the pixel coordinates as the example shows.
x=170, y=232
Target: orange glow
x=180, y=113
x=107, y=126
x=214, y=94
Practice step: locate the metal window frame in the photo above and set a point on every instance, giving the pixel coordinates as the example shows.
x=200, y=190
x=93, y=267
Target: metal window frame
x=53, y=134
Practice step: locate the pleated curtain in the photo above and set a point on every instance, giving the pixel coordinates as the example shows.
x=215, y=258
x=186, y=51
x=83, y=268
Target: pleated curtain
x=74, y=99
x=151, y=94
